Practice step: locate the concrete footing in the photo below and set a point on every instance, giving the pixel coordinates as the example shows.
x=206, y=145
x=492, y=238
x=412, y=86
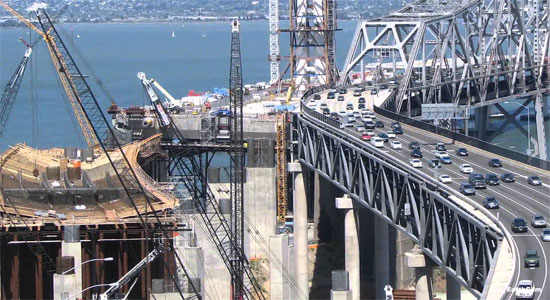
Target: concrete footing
x=423, y=273
x=352, y=259
x=278, y=265
x=69, y=285
x=341, y=295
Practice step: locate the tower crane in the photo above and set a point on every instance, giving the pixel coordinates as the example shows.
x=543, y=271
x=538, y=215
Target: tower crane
x=68, y=82
x=10, y=92
x=217, y=225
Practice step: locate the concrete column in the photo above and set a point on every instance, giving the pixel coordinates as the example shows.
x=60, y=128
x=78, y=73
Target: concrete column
x=70, y=283
x=292, y=270
x=423, y=273
x=353, y=261
x=278, y=265
x=316, y=204
x=404, y=275
x=382, y=252
x=193, y=259
x=300, y=234
x=453, y=288
x=340, y=295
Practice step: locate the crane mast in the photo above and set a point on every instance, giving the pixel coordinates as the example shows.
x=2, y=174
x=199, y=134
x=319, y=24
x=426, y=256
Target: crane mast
x=10, y=92
x=236, y=153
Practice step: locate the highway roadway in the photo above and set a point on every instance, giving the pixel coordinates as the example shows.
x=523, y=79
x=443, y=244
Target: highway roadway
x=517, y=199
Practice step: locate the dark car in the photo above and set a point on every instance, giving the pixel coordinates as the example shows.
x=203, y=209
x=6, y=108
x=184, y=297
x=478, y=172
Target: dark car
x=331, y=95
x=384, y=136
x=398, y=130
x=361, y=105
x=340, y=98
x=414, y=145
x=395, y=124
x=435, y=163
x=519, y=225
x=316, y=97
x=369, y=125
x=379, y=124
x=467, y=189
x=492, y=179
x=495, y=163
x=416, y=153
x=361, y=100
x=326, y=111
x=343, y=91
x=490, y=202
x=462, y=152
x=440, y=147
x=507, y=177
x=534, y=180
x=334, y=114
x=477, y=180
x=531, y=259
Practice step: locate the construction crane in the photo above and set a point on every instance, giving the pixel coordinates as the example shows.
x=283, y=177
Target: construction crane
x=220, y=232
x=236, y=154
x=112, y=149
x=10, y=92
x=69, y=82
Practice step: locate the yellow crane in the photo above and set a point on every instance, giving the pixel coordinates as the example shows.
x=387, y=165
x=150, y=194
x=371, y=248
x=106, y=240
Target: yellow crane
x=66, y=81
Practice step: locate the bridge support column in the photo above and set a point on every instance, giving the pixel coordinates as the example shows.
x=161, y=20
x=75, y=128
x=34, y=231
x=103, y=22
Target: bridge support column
x=351, y=246
x=340, y=286
x=423, y=273
x=279, y=282
x=300, y=229
x=382, y=252
x=482, y=116
x=316, y=204
x=541, y=134
x=453, y=288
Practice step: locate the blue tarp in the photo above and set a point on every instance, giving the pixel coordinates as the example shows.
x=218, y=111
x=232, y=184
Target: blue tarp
x=285, y=107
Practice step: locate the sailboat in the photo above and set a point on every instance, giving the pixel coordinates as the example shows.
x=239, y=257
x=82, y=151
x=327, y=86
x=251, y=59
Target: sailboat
x=173, y=34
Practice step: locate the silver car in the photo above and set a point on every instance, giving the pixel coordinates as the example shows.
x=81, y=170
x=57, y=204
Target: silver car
x=545, y=235
x=538, y=221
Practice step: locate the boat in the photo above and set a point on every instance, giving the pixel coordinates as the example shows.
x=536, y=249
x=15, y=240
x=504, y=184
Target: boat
x=203, y=35
x=173, y=34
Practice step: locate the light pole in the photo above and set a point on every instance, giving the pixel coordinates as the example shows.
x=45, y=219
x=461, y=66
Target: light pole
x=67, y=271
x=528, y=125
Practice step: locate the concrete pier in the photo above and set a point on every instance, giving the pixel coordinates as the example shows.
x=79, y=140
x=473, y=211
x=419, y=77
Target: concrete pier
x=382, y=252
x=278, y=279
x=423, y=272
x=352, y=259
x=340, y=286
x=453, y=288
x=300, y=231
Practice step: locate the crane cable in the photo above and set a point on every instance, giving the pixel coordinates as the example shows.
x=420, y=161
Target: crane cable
x=34, y=108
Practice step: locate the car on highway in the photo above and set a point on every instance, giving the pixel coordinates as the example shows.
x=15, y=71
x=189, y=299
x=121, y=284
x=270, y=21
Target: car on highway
x=507, y=177
x=495, y=163
x=369, y=124
x=467, y=189
x=435, y=163
x=525, y=290
x=342, y=126
x=373, y=92
x=372, y=115
x=545, y=235
x=445, y=179
x=379, y=124
x=343, y=91
x=361, y=100
x=413, y=145
x=361, y=105
x=326, y=111
x=398, y=130
x=492, y=179
x=534, y=180
x=519, y=225
x=334, y=115
x=396, y=145
x=446, y=159
x=477, y=180
x=360, y=128
x=340, y=98
x=366, y=137
x=531, y=259
x=395, y=124
x=351, y=119
x=384, y=136
x=440, y=147
x=377, y=142
x=349, y=106
x=357, y=93
x=490, y=202
x=440, y=154
x=371, y=132
x=415, y=163
x=538, y=221
x=316, y=97
x=323, y=105
x=416, y=153
x=349, y=124
x=342, y=113
x=466, y=168
x=331, y=95
x=390, y=134
x=356, y=114
x=462, y=152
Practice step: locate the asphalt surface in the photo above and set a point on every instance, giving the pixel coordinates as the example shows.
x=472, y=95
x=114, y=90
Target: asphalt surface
x=517, y=199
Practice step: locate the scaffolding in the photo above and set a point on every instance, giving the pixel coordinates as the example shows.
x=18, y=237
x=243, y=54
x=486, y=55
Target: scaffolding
x=281, y=168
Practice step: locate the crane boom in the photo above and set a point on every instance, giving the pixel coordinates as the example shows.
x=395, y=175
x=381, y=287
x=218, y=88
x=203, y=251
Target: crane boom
x=10, y=92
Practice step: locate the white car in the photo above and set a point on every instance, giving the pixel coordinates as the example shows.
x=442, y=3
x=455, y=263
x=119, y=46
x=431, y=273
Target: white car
x=311, y=105
x=361, y=128
x=525, y=290
x=377, y=142
x=371, y=132
x=324, y=105
x=416, y=163
x=445, y=179
x=466, y=168
x=396, y=145
x=342, y=126
x=351, y=119
x=342, y=113
x=391, y=134
x=372, y=115
x=367, y=119
x=440, y=154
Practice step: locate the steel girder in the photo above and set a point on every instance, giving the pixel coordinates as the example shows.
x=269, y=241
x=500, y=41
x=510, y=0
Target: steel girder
x=458, y=242
x=465, y=53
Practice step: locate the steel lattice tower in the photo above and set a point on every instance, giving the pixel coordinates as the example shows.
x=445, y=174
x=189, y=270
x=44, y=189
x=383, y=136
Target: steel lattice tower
x=274, y=55
x=236, y=153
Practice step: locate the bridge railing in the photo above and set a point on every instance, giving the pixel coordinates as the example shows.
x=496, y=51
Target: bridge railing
x=490, y=147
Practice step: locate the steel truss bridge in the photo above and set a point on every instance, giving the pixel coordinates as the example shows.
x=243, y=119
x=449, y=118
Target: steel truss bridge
x=467, y=53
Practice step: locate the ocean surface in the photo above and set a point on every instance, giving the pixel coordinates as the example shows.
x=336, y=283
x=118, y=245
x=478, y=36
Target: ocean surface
x=197, y=58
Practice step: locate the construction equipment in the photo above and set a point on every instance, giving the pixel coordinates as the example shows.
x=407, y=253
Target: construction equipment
x=70, y=84
x=10, y=92
x=192, y=177
x=281, y=168
x=104, y=133
x=134, y=272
